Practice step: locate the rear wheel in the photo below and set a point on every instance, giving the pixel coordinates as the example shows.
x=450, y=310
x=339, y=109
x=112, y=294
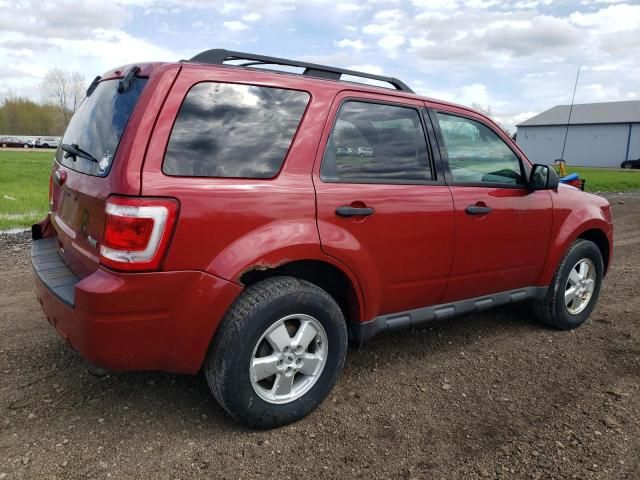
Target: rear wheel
x=4, y=145
x=626, y=165
x=277, y=353
x=573, y=294
x=26, y=145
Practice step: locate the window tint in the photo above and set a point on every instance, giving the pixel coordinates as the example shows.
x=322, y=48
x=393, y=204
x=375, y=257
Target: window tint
x=476, y=153
x=98, y=125
x=226, y=130
x=375, y=143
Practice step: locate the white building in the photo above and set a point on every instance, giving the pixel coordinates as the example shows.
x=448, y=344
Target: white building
x=599, y=134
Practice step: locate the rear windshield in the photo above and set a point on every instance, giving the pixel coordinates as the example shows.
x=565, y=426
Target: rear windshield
x=97, y=126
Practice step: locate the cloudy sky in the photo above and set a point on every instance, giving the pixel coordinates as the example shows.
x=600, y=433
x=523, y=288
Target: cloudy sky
x=517, y=57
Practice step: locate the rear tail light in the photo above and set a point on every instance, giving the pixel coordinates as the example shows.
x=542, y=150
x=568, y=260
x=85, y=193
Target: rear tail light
x=137, y=232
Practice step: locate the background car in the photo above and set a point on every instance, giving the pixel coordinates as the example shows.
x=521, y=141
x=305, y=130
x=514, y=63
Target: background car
x=631, y=164
x=47, y=142
x=16, y=142
x=365, y=151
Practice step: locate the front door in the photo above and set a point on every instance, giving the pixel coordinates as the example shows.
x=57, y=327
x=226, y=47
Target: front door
x=383, y=210
x=502, y=228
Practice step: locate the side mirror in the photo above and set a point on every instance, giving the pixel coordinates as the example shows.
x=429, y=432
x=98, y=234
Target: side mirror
x=543, y=177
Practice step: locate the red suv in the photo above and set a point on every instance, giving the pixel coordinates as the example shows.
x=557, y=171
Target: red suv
x=214, y=214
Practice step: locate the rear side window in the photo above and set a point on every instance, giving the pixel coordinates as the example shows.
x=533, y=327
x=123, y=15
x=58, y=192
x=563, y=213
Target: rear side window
x=229, y=130
x=376, y=143
x=97, y=126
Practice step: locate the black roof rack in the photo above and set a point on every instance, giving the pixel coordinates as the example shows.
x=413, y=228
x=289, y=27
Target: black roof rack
x=219, y=56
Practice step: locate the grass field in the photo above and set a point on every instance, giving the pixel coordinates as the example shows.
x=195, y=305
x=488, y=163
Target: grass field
x=608, y=179
x=24, y=185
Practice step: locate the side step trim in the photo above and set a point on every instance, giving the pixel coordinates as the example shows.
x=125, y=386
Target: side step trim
x=393, y=321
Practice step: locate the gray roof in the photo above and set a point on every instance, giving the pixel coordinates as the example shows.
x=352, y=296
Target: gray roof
x=588, y=113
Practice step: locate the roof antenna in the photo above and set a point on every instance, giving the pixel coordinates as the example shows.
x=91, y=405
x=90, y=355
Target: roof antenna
x=566, y=132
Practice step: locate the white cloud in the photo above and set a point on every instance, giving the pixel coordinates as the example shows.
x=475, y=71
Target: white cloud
x=49, y=19
x=509, y=121
x=605, y=67
x=228, y=7
x=484, y=4
x=367, y=68
x=349, y=7
x=464, y=95
x=251, y=17
x=347, y=43
x=388, y=15
x=420, y=42
x=391, y=42
x=593, y=2
x=615, y=18
x=235, y=26
x=436, y=4
x=475, y=93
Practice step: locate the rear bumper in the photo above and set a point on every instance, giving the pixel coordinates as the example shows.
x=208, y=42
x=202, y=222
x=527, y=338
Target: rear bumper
x=132, y=321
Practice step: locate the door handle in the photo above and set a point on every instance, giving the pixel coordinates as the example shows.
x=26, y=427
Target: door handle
x=348, y=211
x=478, y=210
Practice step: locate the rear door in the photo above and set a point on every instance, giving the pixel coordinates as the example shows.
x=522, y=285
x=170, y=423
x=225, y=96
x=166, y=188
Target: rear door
x=82, y=182
x=502, y=227
x=383, y=208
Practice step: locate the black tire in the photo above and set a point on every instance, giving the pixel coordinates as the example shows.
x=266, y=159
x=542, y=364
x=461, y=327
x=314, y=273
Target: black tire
x=26, y=145
x=4, y=145
x=626, y=165
x=253, y=313
x=551, y=310
x=46, y=145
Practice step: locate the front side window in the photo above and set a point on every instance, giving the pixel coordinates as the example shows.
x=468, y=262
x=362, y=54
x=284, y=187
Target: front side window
x=376, y=143
x=476, y=153
x=230, y=130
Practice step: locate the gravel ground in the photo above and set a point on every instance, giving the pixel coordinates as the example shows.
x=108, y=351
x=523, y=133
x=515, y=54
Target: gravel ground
x=492, y=395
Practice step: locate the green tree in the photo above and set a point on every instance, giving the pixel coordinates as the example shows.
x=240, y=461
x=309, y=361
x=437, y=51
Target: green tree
x=22, y=116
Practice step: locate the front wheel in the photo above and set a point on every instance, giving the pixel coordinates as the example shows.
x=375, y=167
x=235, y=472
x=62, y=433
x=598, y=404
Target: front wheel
x=277, y=353
x=574, y=291
x=626, y=165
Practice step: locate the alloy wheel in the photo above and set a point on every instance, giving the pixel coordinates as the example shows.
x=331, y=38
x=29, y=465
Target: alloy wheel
x=288, y=359
x=580, y=286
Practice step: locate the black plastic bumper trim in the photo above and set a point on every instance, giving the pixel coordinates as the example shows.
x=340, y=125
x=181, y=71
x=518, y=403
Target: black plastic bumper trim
x=52, y=271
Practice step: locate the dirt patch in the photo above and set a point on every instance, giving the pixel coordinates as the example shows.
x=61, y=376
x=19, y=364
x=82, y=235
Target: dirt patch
x=492, y=395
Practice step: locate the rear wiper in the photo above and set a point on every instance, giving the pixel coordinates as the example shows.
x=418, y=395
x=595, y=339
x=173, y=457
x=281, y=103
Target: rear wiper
x=73, y=150
x=93, y=85
x=126, y=82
